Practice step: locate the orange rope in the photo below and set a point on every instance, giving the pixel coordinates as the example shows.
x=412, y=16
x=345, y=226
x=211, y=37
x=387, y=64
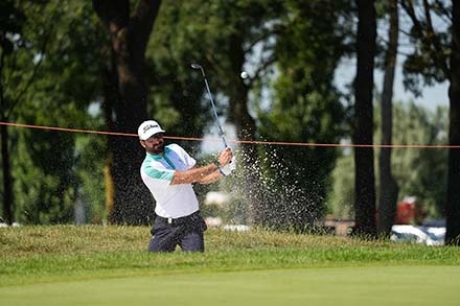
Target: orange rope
x=253, y=142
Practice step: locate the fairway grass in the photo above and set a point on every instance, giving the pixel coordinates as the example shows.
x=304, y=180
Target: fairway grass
x=368, y=285
x=98, y=265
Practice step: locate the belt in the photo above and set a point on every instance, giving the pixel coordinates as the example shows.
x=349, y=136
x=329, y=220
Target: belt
x=180, y=220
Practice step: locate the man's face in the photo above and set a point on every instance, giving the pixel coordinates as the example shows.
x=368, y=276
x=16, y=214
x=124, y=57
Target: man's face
x=154, y=145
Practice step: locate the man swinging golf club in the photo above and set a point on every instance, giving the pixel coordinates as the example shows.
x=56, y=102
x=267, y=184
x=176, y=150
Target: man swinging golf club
x=169, y=172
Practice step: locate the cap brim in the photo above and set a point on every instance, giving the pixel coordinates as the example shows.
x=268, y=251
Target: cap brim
x=148, y=135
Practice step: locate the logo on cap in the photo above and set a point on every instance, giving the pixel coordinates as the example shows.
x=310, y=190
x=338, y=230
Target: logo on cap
x=152, y=126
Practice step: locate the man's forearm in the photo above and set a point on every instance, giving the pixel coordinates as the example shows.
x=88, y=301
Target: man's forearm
x=194, y=175
x=211, y=178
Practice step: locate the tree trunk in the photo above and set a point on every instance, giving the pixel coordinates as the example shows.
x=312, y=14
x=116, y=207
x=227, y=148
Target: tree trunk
x=7, y=177
x=129, y=36
x=8, y=210
x=388, y=186
x=245, y=127
x=363, y=129
x=111, y=94
x=453, y=179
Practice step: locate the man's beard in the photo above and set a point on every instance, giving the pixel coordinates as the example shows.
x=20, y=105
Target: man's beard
x=158, y=149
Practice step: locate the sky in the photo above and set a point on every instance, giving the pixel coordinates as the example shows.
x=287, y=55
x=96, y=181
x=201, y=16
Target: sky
x=431, y=96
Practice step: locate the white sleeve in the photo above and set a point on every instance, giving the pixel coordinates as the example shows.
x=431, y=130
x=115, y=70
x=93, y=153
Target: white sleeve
x=189, y=161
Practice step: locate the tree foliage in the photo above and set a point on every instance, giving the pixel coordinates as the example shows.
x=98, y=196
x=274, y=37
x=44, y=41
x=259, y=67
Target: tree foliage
x=388, y=191
x=11, y=23
x=129, y=28
x=306, y=107
x=49, y=80
x=364, y=120
x=435, y=34
x=179, y=100
x=420, y=172
x=67, y=56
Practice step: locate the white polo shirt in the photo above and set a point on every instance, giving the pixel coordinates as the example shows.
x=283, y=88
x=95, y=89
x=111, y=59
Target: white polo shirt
x=172, y=201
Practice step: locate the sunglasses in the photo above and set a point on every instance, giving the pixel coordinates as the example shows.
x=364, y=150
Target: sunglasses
x=156, y=136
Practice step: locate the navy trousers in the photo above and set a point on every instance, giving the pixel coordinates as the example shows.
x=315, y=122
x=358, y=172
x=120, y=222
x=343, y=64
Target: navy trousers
x=186, y=232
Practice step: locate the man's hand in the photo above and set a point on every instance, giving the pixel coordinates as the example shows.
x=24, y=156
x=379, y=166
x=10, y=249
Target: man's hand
x=225, y=157
x=228, y=168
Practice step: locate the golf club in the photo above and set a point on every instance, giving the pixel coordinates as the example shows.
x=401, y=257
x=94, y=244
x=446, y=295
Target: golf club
x=221, y=130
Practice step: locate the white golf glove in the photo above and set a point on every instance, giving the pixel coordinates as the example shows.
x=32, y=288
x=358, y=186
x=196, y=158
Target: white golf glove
x=228, y=168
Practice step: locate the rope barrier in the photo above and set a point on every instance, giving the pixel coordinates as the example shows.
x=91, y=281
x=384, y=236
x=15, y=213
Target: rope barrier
x=252, y=142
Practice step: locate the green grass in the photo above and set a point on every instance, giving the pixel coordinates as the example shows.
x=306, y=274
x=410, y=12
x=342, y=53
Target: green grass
x=89, y=265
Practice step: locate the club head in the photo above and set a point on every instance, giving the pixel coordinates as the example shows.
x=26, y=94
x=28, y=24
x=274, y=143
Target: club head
x=198, y=66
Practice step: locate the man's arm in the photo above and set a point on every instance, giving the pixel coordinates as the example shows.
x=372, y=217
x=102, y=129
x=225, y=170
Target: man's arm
x=204, y=175
x=195, y=174
x=211, y=178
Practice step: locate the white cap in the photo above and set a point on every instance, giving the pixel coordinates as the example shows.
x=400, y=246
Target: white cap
x=149, y=128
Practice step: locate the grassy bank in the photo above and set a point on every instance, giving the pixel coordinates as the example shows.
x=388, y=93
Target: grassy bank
x=88, y=265
x=34, y=254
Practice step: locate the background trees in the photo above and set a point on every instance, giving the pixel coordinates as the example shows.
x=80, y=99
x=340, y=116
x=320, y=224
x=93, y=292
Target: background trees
x=11, y=22
x=112, y=64
x=435, y=31
x=413, y=168
x=126, y=101
x=388, y=195
x=48, y=79
x=306, y=107
x=364, y=119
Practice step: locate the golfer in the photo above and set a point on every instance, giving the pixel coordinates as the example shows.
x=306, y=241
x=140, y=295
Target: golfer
x=169, y=172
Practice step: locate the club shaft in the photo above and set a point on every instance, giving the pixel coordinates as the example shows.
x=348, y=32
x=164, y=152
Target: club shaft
x=221, y=130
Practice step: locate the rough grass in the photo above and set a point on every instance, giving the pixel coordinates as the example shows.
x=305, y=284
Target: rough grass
x=109, y=265
x=54, y=253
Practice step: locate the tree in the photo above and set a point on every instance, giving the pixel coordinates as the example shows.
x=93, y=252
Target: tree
x=181, y=102
x=363, y=124
x=388, y=186
x=306, y=107
x=233, y=49
x=419, y=172
x=436, y=58
x=250, y=35
x=37, y=88
x=453, y=181
x=126, y=106
x=53, y=71
x=11, y=22
x=23, y=82
x=223, y=37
